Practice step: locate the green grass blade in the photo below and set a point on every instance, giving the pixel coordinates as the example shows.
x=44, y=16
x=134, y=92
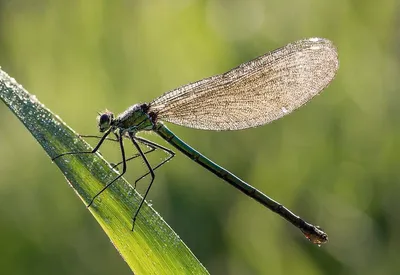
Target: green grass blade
x=153, y=248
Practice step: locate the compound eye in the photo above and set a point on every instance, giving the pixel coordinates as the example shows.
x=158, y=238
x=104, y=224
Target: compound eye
x=104, y=119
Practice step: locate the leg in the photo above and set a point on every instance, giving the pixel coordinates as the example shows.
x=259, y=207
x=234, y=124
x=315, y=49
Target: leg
x=86, y=152
x=135, y=156
x=121, y=144
x=98, y=137
x=155, y=145
x=152, y=148
x=151, y=181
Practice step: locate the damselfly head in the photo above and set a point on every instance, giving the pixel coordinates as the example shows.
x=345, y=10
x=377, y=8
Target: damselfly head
x=104, y=121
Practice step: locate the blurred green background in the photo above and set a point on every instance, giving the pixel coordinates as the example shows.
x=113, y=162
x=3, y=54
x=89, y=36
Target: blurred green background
x=335, y=162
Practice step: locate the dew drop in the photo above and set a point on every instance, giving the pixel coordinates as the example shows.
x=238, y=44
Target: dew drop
x=33, y=98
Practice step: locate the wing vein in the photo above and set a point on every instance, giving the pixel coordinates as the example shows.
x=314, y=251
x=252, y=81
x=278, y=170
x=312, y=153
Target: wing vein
x=254, y=93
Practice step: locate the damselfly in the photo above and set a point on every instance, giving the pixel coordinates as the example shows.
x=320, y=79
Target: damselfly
x=252, y=94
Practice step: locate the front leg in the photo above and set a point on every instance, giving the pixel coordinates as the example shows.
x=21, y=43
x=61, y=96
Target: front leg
x=86, y=152
x=121, y=144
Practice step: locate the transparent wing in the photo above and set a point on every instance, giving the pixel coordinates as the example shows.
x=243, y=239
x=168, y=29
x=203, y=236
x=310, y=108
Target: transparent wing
x=254, y=93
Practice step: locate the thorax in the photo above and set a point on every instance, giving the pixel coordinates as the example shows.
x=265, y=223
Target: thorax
x=134, y=119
